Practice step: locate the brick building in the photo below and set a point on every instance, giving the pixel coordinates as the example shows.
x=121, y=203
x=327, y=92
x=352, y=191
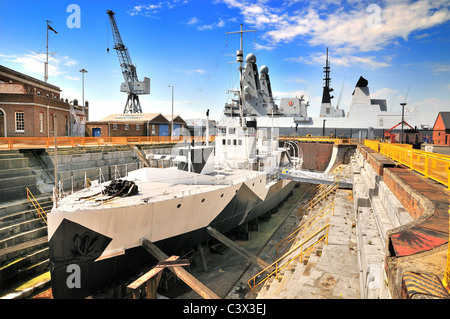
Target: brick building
x=441, y=129
x=28, y=107
x=138, y=124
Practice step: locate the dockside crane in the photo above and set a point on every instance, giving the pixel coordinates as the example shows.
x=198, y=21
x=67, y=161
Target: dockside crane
x=132, y=86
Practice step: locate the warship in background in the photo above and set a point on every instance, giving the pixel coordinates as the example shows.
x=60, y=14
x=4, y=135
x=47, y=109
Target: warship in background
x=366, y=117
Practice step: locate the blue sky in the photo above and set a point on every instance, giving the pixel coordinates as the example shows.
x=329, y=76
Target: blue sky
x=400, y=46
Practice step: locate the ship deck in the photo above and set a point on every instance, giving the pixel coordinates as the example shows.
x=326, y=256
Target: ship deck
x=153, y=190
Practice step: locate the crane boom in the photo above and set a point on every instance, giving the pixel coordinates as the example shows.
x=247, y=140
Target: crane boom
x=132, y=85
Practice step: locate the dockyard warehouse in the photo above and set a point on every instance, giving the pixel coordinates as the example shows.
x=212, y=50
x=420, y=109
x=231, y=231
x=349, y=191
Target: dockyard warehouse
x=136, y=124
x=441, y=129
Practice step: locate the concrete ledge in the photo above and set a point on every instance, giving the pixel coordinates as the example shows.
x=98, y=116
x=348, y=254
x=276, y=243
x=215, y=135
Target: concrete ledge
x=17, y=181
x=396, y=212
x=379, y=162
x=14, y=172
x=418, y=206
x=364, y=150
x=13, y=163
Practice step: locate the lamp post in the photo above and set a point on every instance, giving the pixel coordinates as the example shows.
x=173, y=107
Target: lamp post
x=171, y=128
x=403, y=113
x=83, y=71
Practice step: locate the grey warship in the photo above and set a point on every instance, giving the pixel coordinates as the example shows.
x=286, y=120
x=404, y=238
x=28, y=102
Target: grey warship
x=98, y=229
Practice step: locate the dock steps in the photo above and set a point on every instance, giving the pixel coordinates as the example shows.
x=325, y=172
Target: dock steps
x=24, y=252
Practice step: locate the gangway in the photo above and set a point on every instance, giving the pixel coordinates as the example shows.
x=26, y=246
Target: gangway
x=313, y=177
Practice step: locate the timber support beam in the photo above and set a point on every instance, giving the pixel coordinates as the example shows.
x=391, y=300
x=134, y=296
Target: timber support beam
x=180, y=272
x=240, y=250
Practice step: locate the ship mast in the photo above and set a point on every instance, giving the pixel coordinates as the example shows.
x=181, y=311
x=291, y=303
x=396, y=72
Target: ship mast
x=240, y=60
x=240, y=53
x=326, y=98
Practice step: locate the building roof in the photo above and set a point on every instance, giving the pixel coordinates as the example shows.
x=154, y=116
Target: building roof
x=175, y=117
x=445, y=119
x=139, y=118
x=20, y=77
x=132, y=117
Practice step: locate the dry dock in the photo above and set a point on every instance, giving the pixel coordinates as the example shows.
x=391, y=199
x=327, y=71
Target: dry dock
x=385, y=238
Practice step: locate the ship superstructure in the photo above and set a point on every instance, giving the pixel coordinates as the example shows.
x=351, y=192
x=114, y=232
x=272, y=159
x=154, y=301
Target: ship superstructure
x=99, y=229
x=366, y=117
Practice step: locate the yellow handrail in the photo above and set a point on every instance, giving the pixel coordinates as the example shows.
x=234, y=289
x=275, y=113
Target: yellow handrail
x=66, y=141
x=252, y=281
x=337, y=169
x=431, y=165
x=319, y=196
x=42, y=214
x=291, y=237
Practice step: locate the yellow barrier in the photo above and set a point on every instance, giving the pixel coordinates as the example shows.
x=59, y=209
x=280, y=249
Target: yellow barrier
x=49, y=142
x=446, y=279
x=322, y=194
x=303, y=228
x=278, y=263
x=42, y=214
x=431, y=165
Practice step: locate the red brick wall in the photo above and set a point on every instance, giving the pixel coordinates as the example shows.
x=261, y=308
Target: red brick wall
x=439, y=135
x=31, y=105
x=405, y=194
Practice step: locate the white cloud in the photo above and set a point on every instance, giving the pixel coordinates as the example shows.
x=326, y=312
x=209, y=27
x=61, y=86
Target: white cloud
x=151, y=9
x=192, y=72
x=218, y=24
x=298, y=80
x=346, y=60
x=34, y=63
x=430, y=107
x=348, y=26
x=267, y=47
x=439, y=68
x=73, y=78
x=193, y=21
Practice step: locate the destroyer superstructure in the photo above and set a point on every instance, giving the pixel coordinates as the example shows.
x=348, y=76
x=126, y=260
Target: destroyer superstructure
x=365, y=118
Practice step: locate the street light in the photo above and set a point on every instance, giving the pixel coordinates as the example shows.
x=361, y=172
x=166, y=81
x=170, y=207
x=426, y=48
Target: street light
x=403, y=112
x=171, y=129
x=83, y=71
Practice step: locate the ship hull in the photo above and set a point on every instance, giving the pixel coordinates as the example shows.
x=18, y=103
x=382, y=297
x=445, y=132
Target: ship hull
x=74, y=244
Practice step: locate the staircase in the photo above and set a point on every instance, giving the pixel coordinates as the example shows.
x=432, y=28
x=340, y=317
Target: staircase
x=15, y=176
x=23, y=235
x=327, y=270
x=306, y=247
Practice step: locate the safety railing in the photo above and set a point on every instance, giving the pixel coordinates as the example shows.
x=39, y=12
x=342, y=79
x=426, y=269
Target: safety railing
x=337, y=169
x=281, y=262
x=304, y=227
x=42, y=214
x=49, y=142
x=322, y=194
x=431, y=165
x=323, y=139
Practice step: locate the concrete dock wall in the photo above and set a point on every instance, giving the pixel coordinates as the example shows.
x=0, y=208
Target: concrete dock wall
x=74, y=165
x=323, y=156
x=406, y=209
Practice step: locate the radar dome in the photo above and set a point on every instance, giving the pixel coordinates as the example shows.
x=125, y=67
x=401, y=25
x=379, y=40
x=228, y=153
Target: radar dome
x=264, y=69
x=251, y=58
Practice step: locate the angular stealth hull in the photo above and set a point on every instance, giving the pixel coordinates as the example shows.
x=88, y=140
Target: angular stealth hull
x=91, y=248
